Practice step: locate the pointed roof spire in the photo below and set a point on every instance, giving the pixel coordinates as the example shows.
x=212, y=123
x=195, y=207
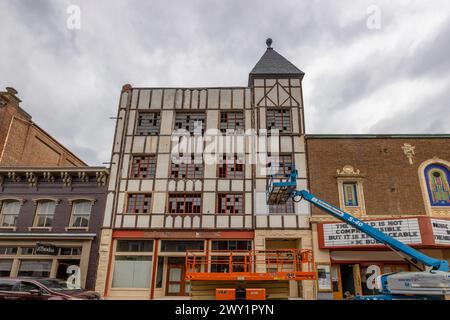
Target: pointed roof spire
x=273, y=63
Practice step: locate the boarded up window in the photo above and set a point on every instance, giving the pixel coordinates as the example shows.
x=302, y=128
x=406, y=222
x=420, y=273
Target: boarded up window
x=230, y=203
x=190, y=121
x=148, y=123
x=279, y=119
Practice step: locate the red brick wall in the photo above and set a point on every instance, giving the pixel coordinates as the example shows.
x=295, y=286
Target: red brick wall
x=391, y=184
x=22, y=143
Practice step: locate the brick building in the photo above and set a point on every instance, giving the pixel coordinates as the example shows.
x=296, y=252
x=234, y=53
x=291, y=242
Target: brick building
x=23, y=143
x=158, y=207
x=398, y=182
x=50, y=220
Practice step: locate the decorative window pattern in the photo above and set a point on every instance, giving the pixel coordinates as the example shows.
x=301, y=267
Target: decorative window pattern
x=232, y=203
x=81, y=214
x=231, y=121
x=184, y=203
x=139, y=203
x=192, y=122
x=44, y=213
x=279, y=119
x=280, y=165
x=231, y=166
x=288, y=207
x=350, y=194
x=438, y=177
x=148, y=123
x=245, y=245
x=143, y=167
x=187, y=168
x=9, y=213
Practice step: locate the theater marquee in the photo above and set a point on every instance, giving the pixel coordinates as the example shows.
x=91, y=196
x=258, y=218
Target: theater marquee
x=418, y=231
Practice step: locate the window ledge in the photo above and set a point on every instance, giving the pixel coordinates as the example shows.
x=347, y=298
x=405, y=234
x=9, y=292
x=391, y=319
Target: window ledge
x=40, y=228
x=8, y=228
x=76, y=228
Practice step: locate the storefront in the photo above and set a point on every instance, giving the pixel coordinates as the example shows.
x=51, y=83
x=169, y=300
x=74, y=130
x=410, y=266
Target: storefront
x=49, y=256
x=349, y=261
x=152, y=265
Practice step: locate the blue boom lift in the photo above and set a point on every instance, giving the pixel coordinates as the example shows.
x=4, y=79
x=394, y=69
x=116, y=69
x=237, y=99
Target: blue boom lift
x=431, y=282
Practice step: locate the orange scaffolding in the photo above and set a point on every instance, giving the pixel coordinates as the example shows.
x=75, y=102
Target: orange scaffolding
x=281, y=264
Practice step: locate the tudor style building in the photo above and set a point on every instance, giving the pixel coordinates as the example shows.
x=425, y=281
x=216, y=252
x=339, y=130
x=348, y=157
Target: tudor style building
x=400, y=183
x=158, y=207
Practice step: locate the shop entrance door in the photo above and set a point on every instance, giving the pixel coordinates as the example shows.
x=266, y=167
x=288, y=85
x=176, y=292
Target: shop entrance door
x=61, y=272
x=351, y=280
x=176, y=284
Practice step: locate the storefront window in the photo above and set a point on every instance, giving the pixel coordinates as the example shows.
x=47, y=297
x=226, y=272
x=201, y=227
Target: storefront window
x=181, y=245
x=134, y=246
x=245, y=245
x=8, y=250
x=35, y=268
x=132, y=272
x=159, y=273
x=5, y=267
x=70, y=251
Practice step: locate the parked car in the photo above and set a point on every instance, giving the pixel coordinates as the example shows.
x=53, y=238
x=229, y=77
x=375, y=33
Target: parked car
x=42, y=289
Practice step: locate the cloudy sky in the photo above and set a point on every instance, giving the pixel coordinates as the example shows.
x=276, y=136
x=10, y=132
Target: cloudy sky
x=363, y=74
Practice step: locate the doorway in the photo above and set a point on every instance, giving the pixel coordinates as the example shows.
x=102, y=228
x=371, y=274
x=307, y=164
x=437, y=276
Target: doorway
x=176, y=284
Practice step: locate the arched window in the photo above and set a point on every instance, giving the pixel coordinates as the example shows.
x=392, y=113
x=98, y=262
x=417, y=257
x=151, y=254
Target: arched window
x=437, y=177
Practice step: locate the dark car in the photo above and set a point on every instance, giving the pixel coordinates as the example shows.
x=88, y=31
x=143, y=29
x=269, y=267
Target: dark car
x=42, y=289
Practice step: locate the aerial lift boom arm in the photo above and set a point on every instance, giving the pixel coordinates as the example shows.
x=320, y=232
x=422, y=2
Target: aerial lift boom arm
x=415, y=257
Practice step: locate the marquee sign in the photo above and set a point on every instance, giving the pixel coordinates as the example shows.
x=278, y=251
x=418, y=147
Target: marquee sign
x=441, y=231
x=343, y=235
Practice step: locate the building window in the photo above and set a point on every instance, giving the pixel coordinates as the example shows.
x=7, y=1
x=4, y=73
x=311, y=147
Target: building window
x=192, y=122
x=139, y=203
x=437, y=177
x=35, y=268
x=288, y=207
x=5, y=268
x=70, y=251
x=81, y=212
x=222, y=264
x=148, y=123
x=280, y=165
x=44, y=213
x=132, y=272
x=134, y=246
x=231, y=166
x=184, y=203
x=133, y=264
x=8, y=250
x=187, y=168
x=143, y=167
x=159, y=273
x=350, y=194
x=9, y=213
x=279, y=119
x=182, y=245
x=244, y=245
x=232, y=203
x=231, y=121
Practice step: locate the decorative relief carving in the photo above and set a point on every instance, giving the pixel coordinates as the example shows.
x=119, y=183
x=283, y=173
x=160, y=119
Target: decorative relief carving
x=408, y=150
x=48, y=176
x=101, y=178
x=66, y=178
x=13, y=176
x=31, y=178
x=83, y=176
x=348, y=170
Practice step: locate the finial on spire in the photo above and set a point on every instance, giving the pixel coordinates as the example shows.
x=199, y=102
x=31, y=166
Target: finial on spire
x=269, y=43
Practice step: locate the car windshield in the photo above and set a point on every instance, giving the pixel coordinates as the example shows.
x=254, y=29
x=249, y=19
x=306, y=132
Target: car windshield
x=56, y=285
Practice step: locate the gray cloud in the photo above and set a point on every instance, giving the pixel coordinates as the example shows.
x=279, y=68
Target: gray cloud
x=392, y=80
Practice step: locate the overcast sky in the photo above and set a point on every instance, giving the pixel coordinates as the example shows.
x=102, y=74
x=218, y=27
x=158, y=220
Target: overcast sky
x=359, y=79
